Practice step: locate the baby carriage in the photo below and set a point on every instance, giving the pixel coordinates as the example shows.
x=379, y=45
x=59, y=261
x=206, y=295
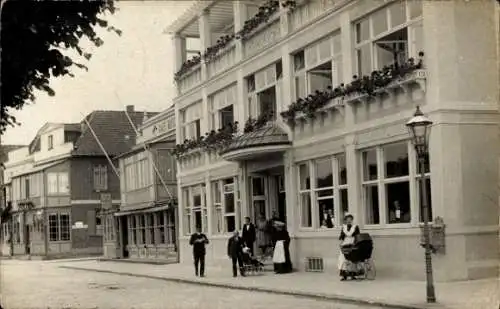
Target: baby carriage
x=251, y=265
x=359, y=255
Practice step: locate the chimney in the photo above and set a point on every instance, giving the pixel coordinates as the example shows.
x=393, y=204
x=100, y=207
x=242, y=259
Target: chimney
x=130, y=108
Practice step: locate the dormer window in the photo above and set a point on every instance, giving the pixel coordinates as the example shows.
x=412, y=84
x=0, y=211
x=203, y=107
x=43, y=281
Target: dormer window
x=50, y=142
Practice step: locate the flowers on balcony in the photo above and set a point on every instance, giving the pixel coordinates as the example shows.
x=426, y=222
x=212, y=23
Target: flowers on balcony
x=265, y=12
x=369, y=85
x=291, y=4
x=211, y=140
x=221, y=43
x=253, y=124
x=187, y=65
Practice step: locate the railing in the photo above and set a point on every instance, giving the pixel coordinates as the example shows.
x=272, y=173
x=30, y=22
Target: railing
x=191, y=79
x=265, y=36
x=309, y=10
x=223, y=60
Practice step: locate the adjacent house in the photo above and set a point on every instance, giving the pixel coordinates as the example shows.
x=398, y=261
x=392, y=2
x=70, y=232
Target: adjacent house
x=298, y=109
x=144, y=226
x=56, y=183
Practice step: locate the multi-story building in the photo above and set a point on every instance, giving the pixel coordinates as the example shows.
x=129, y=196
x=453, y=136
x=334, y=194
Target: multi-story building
x=146, y=219
x=56, y=183
x=312, y=150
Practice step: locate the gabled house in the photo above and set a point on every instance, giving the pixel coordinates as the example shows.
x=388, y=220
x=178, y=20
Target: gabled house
x=56, y=184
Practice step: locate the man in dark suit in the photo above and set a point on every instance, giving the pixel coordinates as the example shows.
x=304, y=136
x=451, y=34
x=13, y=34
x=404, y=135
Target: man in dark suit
x=248, y=234
x=198, y=241
x=235, y=251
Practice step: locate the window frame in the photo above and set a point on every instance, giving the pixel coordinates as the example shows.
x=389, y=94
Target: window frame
x=58, y=183
x=60, y=229
x=412, y=178
x=336, y=187
x=335, y=59
x=270, y=78
x=137, y=170
x=191, y=117
x=218, y=101
x=100, y=177
x=409, y=23
x=219, y=205
x=50, y=142
x=190, y=209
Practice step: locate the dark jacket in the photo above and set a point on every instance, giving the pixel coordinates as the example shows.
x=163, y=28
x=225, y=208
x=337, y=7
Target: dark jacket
x=198, y=247
x=235, y=246
x=248, y=234
x=342, y=234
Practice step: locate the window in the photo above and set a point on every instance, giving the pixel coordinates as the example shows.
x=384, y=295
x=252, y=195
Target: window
x=137, y=172
x=100, y=177
x=50, y=142
x=226, y=205
x=150, y=228
x=160, y=228
x=388, y=185
x=195, y=210
x=109, y=228
x=323, y=190
x=388, y=36
x=57, y=183
x=318, y=66
x=264, y=91
x=132, y=227
x=167, y=165
x=221, y=108
x=59, y=227
x=191, y=121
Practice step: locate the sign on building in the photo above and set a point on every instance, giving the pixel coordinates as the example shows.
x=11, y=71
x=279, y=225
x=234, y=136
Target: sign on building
x=106, y=201
x=79, y=225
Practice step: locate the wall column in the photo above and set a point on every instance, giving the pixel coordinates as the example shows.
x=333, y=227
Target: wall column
x=210, y=205
x=241, y=113
x=353, y=181
x=348, y=58
x=179, y=44
x=243, y=187
x=240, y=13
x=205, y=39
x=292, y=204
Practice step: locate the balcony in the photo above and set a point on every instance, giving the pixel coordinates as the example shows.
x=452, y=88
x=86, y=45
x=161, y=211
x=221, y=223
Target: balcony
x=190, y=79
x=305, y=11
x=221, y=60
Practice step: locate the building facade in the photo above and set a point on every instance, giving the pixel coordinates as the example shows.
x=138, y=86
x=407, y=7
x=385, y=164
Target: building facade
x=146, y=219
x=321, y=92
x=55, y=185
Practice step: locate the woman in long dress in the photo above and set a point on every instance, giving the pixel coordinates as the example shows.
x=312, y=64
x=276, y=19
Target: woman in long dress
x=347, y=237
x=281, y=257
x=262, y=235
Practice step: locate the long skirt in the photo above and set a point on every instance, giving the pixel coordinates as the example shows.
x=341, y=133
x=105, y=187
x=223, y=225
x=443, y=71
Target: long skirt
x=281, y=258
x=346, y=267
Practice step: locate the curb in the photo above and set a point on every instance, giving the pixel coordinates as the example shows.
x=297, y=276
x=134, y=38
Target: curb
x=328, y=297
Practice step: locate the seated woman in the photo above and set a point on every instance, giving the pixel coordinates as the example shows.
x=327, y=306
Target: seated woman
x=347, y=237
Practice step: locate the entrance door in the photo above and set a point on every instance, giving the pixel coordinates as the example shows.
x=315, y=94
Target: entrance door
x=259, y=197
x=124, y=236
x=280, y=180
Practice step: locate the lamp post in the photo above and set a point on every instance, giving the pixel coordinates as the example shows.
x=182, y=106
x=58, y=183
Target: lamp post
x=419, y=127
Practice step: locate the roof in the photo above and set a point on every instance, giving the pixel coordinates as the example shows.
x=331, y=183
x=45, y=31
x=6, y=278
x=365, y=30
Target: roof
x=113, y=130
x=5, y=149
x=72, y=127
x=268, y=135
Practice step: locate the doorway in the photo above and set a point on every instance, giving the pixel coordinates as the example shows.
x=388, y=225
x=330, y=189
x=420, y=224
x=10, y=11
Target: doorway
x=268, y=196
x=259, y=197
x=124, y=236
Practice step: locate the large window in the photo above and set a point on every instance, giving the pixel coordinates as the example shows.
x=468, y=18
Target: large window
x=191, y=121
x=137, y=171
x=100, y=177
x=388, y=186
x=318, y=66
x=195, y=210
x=264, y=91
x=323, y=192
x=388, y=36
x=57, y=183
x=109, y=228
x=59, y=227
x=226, y=208
x=221, y=108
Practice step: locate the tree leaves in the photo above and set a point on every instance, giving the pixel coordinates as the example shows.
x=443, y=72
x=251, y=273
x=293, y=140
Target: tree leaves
x=35, y=37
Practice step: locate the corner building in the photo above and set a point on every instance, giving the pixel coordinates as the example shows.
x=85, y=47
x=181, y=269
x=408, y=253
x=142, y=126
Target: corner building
x=351, y=153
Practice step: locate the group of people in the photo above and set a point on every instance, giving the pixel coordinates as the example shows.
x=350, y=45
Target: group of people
x=263, y=235
x=266, y=234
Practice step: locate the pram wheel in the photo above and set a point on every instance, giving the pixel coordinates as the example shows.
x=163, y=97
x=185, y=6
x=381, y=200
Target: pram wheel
x=369, y=271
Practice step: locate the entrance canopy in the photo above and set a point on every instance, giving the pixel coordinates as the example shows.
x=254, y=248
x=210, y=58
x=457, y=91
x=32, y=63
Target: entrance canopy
x=270, y=139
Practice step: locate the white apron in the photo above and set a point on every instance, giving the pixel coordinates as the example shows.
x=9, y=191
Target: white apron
x=279, y=253
x=348, y=240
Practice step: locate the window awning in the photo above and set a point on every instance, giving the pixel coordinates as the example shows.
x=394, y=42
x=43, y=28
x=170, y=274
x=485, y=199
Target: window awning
x=270, y=139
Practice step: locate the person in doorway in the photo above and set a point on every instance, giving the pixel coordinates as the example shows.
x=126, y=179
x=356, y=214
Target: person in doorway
x=327, y=220
x=248, y=234
x=235, y=247
x=198, y=240
x=397, y=215
x=272, y=226
x=347, y=237
x=261, y=235
x=281, y=256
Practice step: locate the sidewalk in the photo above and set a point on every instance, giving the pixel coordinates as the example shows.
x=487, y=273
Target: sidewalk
x=479, y=294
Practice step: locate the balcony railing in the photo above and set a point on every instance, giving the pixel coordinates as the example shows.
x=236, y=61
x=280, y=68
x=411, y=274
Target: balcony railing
x=264, y=36
x=309, y=10
x=223, y=60
x=190, y=79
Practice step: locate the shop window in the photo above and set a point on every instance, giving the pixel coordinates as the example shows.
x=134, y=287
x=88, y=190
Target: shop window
x=150, y=228
x=59, y=227
x=160, y=228
x=132, y=225
x=389, y=36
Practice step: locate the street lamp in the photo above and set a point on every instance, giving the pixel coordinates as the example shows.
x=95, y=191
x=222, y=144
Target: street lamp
x=419, y=127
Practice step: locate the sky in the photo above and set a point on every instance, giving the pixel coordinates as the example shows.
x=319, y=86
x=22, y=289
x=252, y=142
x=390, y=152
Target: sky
x=135, y=68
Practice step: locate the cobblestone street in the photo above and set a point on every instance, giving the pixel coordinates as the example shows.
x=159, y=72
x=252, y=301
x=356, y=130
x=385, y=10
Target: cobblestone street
x=35, y=284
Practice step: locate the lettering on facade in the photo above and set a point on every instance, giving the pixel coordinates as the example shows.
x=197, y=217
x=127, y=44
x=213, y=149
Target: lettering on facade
x=106, y=201
x=164, y=126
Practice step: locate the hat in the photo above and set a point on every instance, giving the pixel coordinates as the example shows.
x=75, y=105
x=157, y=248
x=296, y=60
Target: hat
x=348, y=215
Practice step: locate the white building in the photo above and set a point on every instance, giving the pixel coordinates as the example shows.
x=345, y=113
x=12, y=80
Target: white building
x=350, y=153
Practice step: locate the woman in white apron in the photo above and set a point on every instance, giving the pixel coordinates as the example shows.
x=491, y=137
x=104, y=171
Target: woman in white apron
x=347, y=236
